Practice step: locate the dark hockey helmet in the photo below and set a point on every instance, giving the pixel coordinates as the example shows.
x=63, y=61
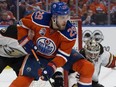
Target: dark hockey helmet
x=92, y=50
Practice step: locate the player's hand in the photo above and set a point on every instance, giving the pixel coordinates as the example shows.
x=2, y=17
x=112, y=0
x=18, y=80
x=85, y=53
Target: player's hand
x=27, y=44
x=47, y=72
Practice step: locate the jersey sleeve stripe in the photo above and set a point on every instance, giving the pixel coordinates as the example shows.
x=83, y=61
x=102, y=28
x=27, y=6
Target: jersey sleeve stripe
x=62, y=57
x=64, y=53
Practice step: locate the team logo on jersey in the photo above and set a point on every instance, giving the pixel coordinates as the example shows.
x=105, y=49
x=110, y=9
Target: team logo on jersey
x=97, y=35
x=45, y=46
x=28, y=69
x=42, y=31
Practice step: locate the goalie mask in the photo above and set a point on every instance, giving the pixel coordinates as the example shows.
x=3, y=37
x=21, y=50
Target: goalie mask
x=60, y=15
x=92, y=50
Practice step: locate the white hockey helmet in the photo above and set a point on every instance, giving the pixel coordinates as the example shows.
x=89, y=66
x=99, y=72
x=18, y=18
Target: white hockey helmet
x=92, y=50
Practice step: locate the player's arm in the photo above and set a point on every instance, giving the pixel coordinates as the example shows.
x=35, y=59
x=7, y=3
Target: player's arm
x=10, y=47
x=112, y=61
x=27, y=43
x=26, y=23
x=109, y=60
x=63, y=53
x=33, y=21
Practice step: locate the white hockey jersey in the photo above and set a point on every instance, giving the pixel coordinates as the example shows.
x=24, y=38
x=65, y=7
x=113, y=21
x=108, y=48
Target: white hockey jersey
x=10, y=47
x=106, y=59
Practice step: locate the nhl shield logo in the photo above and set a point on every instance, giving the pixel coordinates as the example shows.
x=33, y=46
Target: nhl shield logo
x=42, y=31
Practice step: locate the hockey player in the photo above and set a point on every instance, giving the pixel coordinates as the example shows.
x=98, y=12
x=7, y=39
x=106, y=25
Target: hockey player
x=94, y=52
x=54, y=38
x=11, y=52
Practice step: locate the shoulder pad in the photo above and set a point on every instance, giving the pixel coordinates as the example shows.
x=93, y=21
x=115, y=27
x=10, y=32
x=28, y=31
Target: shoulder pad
x=69, y=31
x=41, y=18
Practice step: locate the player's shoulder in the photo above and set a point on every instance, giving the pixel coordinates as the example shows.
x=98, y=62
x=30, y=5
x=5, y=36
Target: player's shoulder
x=69, y=31
x=41, y=17
x=105, y=54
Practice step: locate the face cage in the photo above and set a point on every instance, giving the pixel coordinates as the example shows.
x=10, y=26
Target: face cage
x=90, y=55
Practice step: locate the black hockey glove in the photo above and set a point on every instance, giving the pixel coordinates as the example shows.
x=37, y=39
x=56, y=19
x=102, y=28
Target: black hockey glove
x=58, y=79
x=96, y=84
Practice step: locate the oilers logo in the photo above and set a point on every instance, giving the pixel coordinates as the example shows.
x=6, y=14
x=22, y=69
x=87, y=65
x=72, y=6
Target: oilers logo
x=45, y=46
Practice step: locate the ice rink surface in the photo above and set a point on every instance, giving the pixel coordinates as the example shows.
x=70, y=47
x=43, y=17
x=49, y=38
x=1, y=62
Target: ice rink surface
x=107, y=77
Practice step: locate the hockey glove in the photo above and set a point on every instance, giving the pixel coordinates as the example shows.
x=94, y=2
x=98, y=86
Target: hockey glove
x=58, y=79
x=96, y=84
x=28, y=45
x=48, y=71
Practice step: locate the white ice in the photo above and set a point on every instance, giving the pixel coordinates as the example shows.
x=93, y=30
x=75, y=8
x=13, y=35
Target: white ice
x=107, y=77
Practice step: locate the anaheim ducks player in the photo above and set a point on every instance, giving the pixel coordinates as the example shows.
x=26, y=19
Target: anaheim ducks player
x=11, y=52
x=54, y=38
x=94, y=52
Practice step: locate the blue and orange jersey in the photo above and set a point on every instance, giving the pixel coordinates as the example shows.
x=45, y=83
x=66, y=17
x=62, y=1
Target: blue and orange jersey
x=50, y=43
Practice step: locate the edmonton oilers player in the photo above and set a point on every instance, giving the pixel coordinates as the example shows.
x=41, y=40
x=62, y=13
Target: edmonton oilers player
x=54, y=38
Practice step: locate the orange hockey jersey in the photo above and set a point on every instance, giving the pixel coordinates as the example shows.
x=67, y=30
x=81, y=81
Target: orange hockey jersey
x=50, y=43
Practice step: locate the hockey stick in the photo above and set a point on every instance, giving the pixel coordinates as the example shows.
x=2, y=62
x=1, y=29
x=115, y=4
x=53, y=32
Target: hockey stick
x=37, y=59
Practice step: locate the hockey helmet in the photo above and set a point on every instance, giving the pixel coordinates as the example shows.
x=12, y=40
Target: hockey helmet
x=92, y=50
x=59, y=8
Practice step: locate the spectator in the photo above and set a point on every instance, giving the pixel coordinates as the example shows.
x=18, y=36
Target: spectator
x=83, y=7
x=4, y=8
x=32, y=5
x=5, y=20
x=22, y=9
x=113, y=12
x=113, y=6
x=72, y=5
x=86, y=18
x=12, y=6
x=99, y=18
x=113, y=17
x=96, y=5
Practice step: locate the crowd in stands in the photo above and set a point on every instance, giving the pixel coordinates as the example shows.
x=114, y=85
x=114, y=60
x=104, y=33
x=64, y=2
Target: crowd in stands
x=7, y=17
x=92, y=12
x=95, y=12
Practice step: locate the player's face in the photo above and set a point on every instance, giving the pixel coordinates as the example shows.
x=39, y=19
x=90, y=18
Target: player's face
x=61, y=21
x=92, y=55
